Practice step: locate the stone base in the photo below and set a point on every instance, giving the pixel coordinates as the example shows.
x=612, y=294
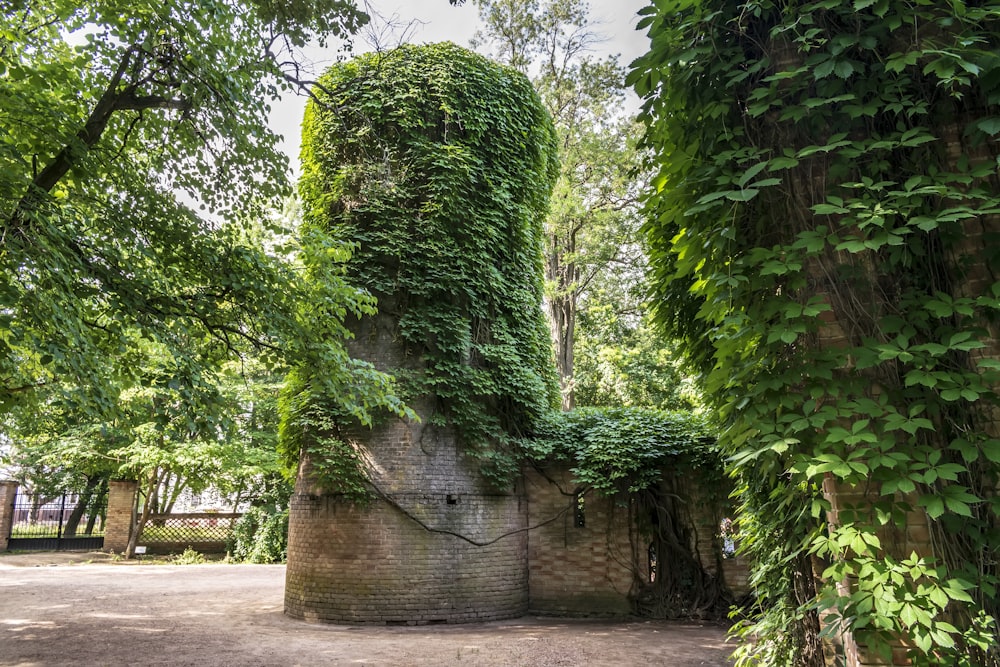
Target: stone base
x=377, y=564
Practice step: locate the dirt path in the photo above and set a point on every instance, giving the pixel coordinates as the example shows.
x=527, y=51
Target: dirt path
x=101, y=613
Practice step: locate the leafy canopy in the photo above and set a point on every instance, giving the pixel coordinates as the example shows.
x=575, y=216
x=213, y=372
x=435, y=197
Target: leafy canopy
x=626, y=449
x=134, y=155
x=592, y=257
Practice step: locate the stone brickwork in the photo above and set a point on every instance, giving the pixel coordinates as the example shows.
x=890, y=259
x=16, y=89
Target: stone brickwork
x=8, y=491
x=590, y=569
x=375, y=564
x=574, y=569
x=734, y=572
x=437, y=546
x=118, y=523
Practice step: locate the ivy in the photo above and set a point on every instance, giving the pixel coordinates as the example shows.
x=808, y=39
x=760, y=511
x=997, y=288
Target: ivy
x=626, y=449
x=823, y=234
x=434, y=165
x=665, y=472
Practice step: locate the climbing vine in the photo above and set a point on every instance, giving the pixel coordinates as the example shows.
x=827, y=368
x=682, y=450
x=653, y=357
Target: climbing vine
x=435, y=166
x=824, y=237
x=626, y=449
x=664, y=470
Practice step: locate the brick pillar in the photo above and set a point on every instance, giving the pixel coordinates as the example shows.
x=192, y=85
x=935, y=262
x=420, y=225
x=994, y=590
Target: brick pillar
x=8, y=491
x=118, y=526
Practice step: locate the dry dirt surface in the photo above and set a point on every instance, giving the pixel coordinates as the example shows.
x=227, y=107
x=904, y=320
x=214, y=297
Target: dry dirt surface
x=82, y=609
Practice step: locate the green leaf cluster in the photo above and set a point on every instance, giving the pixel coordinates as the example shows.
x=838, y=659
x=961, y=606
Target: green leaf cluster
x=627, y=449
x=823, y=234
x=136, y=169
x=260, y=536
x=435, y=165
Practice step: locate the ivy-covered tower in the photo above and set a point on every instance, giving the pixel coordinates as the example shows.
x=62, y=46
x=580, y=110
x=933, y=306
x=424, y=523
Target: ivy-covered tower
x=436, y=165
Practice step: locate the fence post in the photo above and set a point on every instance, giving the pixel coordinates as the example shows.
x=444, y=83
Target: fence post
x=8, y=491
x=118, y=523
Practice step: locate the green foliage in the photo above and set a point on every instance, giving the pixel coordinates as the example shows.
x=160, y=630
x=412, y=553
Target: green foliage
x=186, y=433
x=260, y=536
x=822, y=232
x=592, y=255
x=626, y=449
x=435, y=165
x=653, y=464
x=189, y=557
x=621, y=363
x=136, y=165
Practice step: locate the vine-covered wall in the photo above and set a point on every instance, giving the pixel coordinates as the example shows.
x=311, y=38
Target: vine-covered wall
x=434, y=165
x=626, y=507
x=825, y=236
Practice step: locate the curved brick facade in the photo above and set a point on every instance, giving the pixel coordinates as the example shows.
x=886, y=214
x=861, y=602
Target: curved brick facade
x=441, y=546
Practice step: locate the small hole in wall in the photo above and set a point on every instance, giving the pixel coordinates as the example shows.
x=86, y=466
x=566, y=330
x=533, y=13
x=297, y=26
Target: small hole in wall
x=579, y=518
x=451, y=499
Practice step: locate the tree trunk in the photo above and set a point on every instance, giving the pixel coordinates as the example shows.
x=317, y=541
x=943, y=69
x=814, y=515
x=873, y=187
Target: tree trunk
x=152, y=486
x=561, y=311
x=98, y=506
x=73, y=521
x=179, y=485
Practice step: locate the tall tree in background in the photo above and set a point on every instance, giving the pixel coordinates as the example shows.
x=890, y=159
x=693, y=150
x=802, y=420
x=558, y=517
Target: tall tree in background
x=591, y=229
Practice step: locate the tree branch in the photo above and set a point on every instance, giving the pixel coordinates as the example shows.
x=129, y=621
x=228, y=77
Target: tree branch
x=129, y=100
x=88, y=136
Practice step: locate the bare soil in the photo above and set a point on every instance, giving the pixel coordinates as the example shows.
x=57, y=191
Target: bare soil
x=84, y=609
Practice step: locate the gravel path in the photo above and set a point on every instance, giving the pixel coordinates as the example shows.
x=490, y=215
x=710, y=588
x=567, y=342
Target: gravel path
x=53, y=612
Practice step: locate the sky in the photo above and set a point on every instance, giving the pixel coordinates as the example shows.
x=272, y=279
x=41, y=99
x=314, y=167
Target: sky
x=426, y=21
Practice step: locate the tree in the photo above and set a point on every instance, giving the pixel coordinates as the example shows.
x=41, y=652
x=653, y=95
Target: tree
x=214, y=430
x=591, y=230
x=135, y=152
x=622, y=360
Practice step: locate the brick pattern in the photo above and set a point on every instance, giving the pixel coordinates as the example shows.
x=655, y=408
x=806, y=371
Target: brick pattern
x=591, y=569
x=441, y=545
x=374, y=564
x=118, y=523
x=438, y=547
x=733, y=572
x=8, y=491
x=578, y=570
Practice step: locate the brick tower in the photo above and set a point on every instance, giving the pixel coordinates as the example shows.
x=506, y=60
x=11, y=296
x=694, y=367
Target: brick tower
x=447, y=234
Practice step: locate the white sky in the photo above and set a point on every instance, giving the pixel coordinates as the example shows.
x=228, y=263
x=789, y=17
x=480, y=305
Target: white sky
x=426, y=21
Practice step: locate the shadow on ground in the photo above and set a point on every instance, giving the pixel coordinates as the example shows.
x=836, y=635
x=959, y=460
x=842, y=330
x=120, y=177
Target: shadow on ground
x=83, y=609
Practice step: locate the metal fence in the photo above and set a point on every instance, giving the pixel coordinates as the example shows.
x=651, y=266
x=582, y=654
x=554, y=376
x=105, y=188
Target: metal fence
x=57, y=521
x=203, y=531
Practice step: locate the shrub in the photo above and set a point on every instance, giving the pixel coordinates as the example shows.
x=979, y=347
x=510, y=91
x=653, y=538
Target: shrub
x=260, y=536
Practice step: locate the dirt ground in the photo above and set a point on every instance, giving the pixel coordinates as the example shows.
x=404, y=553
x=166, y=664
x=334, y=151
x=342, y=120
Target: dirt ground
x=83, y=609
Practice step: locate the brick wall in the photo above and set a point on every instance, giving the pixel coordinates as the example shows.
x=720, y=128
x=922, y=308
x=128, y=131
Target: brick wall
x=118, y=523
x=8, y=490
x=436, y=548
x=573, y=569
x=440, y=545
x=706, y=518
x=591, y=569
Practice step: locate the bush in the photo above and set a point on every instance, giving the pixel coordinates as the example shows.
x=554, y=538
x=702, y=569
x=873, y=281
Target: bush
x=260, y=536
x=189, y=557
